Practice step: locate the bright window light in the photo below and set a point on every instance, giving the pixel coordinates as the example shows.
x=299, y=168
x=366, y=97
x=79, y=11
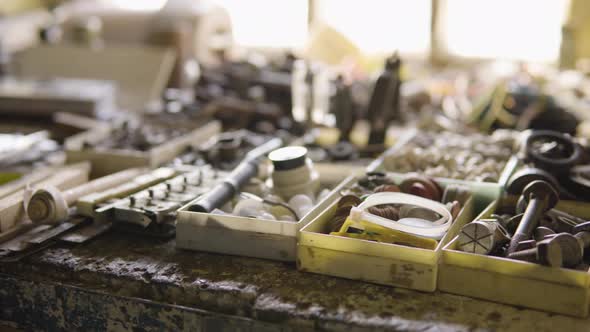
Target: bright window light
x=378, y=26
x=268, y=23
x=143, y=5
x=506, y=29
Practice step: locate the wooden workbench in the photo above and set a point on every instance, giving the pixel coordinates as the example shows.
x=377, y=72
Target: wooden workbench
x=122, y=282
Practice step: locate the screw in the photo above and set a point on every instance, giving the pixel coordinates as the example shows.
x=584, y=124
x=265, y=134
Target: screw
x=131, y=201
x=547, y=252
x=541, y=197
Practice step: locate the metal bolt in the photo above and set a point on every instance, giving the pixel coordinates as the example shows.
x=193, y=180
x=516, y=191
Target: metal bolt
x=482, y=236
x=572, y=248
x=547, y=252
x=582, y=232
x=541, y=197
x=131, y=201
x=528, y=244
x=540, y=232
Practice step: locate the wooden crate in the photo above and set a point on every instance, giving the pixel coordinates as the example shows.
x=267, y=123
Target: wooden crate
x=558, y=290
x=381, y=263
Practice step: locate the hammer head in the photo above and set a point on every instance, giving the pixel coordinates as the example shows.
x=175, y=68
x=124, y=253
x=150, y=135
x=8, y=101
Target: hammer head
x=542, y=190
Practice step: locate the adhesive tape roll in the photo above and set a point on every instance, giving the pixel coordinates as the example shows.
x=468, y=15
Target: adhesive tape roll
x=435, y=230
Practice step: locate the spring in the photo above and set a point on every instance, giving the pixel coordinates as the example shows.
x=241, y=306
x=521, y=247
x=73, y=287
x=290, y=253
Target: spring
x=386, y=211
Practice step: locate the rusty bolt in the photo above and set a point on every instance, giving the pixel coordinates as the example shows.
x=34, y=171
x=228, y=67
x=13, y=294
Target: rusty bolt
x=547, y=252
x=541, y=196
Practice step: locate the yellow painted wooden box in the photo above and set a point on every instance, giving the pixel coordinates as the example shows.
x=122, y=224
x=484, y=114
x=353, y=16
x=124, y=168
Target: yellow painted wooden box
x=381, y=263
x=558, y=290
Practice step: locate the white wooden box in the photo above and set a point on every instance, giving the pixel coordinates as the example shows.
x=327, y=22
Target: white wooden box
x=234, y=235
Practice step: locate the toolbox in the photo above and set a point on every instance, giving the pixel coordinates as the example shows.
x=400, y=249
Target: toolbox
x=109, y=161
x=381, y=263
x=261, y=238
x=498, y=279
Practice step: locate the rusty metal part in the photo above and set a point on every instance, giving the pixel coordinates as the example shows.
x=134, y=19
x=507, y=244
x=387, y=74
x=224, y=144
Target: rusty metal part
x=528, y=244
x=572, y=248
x=384, y=103
x=552, y=151
x=540, y=232
x=455, y=209
x=547, y=252
x=387, y=188
x=422, y=186
x=561, y=222
x=482, y=236
x=349, y=200
x=522, y=178
x=541, y=197
x=386, y=211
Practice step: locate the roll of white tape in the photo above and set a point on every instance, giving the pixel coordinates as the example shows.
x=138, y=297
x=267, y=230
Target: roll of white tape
x=435, y=230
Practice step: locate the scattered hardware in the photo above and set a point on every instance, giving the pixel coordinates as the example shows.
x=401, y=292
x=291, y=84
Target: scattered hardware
x=537, y=233
x=232, y=184
x=153, y=210
x=135, y=144
x=375, y=208
x=474, y=157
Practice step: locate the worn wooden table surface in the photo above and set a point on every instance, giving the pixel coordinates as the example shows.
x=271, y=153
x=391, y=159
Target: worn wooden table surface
x=118, y=282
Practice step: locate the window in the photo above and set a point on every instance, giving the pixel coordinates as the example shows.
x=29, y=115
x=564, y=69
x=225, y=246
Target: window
x=268, y=23
x=507, y=29
x=378, y=26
